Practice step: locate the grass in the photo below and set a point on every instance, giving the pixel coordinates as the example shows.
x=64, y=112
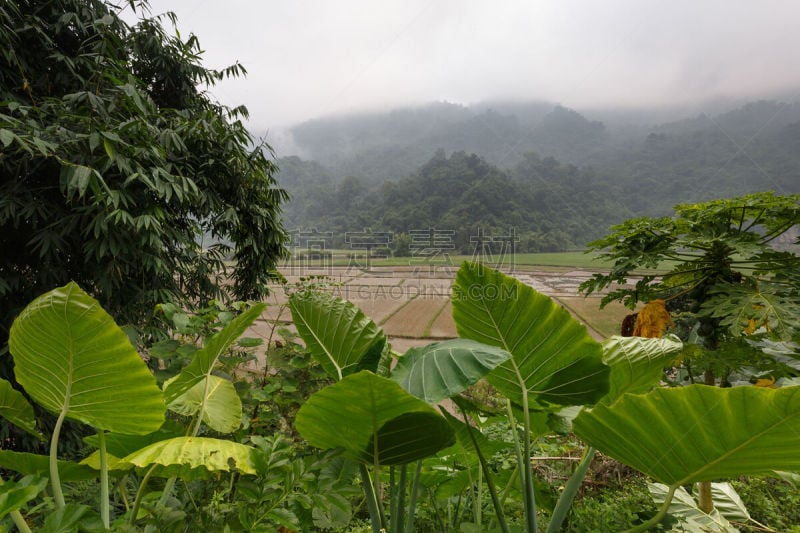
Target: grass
x=575, y=259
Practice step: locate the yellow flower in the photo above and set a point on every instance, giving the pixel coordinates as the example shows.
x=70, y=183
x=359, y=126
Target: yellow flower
x=767, y=383
x=653, y=320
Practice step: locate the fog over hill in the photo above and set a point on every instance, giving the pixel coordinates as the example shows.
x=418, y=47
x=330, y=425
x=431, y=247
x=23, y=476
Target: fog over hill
x=559, y=175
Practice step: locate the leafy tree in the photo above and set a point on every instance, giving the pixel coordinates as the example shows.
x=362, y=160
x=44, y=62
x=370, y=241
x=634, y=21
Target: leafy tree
x=119, y=170
x=721, y=267
x=726, y=287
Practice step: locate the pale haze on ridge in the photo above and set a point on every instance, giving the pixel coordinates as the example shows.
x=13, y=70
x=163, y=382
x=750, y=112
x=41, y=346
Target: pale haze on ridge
x=314, y=58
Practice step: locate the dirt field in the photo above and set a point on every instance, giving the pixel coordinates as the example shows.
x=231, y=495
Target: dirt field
x=413, y=305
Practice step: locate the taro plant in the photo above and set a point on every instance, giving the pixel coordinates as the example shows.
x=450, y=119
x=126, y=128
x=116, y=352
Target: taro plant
x=369, y=412
x=549, y=369
x=74, y=361
x=554, y=362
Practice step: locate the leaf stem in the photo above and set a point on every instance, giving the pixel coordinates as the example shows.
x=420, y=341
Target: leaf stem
x=570, y=490
x=372, y=502
x=137, y=502
x=105, y=508
x=659, y=516
x=498, y=507
x=412, y=503
x=55, y=479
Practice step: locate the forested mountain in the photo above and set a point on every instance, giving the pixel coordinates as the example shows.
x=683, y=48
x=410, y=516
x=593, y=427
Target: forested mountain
x=559, y=178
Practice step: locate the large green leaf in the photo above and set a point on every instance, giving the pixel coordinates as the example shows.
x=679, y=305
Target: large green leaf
x=16, y=409
x=637, y=363
x=204, y=359
x=699, y=433
x=223, y=407
x=70, y=355
x=443, y=369
x=181, y=455
x=554, y=358
x=31, y=463
x=337, y=333
x=15, y=494
x=367, y=414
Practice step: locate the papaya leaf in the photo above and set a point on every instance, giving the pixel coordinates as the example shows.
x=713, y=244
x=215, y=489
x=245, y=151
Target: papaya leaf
x=553, y=356
x=367, y=415
x=336, y=333
x=443, y=369
x=70, y=356
x=698, y=433
x=749, y=307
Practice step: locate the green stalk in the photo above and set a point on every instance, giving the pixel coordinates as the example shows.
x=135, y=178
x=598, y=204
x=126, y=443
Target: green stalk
x=412, y=503
x=659, y=516
x=137, y=502
x=55, y=479
x=530, y=496
x=20, y=522
x=509, y=486
x=105, y=506
x=401, y=500
x=479, y=500
x=564, y=502
x=392, y=499
x=372, y=503
x=437, y=511
x=524, y=466
x=498, y=507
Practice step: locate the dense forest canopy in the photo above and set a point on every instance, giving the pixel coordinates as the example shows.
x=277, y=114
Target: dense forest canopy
x=115, y=159
x=558, y=178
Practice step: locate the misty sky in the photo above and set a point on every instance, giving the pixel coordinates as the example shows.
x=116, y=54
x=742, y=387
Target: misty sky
x=311, y=58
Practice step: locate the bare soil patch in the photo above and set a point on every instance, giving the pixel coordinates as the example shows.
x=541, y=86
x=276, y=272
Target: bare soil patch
x=412, y=319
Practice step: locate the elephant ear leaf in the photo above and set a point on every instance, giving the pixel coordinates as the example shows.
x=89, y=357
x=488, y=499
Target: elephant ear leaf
x=222, y=411
x=443, y=369
x=191, y=457
x=337, y=333
x=554, y=360
x=72, y=358
x=698, y=433
x=637, y=363
x=16, y=409
x=373, y=419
